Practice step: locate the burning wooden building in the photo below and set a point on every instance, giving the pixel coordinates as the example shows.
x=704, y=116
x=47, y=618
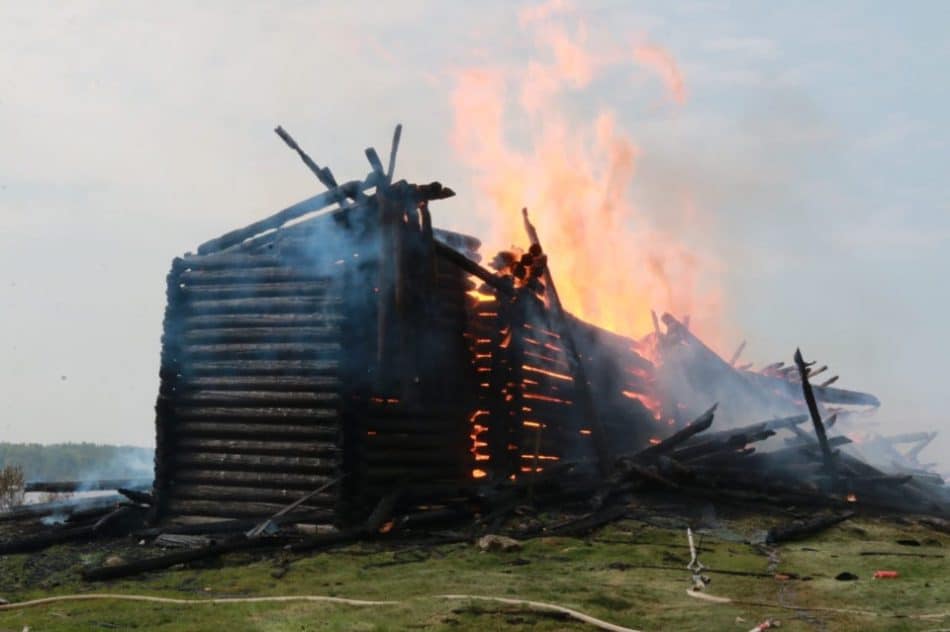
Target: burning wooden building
x=346, y=346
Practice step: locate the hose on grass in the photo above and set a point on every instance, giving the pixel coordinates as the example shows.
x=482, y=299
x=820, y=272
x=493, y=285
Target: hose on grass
x=867, y=613
x=535, y=605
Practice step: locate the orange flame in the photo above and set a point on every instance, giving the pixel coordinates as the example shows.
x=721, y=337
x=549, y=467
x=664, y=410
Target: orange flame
x=610, y=262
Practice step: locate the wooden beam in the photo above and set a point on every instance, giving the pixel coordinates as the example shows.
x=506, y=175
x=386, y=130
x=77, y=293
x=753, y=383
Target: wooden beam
x=815, y=415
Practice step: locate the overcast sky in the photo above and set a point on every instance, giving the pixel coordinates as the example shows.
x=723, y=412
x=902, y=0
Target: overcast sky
x=813, y=141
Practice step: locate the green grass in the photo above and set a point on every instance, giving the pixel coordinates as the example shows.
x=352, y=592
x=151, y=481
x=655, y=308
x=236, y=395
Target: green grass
x=601, y=576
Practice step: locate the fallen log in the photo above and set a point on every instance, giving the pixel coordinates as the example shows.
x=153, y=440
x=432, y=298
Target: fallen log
x=53, y=536
x=137, y=496
x=64, y=507
x=801, y=530
x=240, y=543
x=732, y=442
x=698, y=425
x=586, y=524
x=60, y=487
x=254, y=538
x=370, y=529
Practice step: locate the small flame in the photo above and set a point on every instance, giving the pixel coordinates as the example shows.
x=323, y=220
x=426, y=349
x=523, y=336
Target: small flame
x=649, y=403
x=481, y=297
x=541, y=457
x=852, y=498
x=557, y=376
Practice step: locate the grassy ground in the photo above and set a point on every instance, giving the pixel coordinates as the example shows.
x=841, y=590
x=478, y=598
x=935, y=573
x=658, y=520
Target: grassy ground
x=609, y=575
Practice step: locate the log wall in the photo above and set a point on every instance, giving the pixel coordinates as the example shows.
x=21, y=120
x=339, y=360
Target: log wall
x=249, y=410
x=329, y=350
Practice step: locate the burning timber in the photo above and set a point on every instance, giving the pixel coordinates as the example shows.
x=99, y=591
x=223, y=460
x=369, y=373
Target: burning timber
x=345, y=363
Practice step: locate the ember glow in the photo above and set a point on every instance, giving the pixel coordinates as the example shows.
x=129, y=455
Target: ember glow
x=575, y=173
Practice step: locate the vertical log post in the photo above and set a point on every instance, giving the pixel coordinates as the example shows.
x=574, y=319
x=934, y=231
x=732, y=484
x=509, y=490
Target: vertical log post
x=812, y=404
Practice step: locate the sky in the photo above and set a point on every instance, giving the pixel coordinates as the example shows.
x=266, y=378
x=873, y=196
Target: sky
x=804, y=162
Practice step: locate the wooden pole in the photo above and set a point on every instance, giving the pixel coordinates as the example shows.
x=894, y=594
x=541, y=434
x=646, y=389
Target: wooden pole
x=815, y=415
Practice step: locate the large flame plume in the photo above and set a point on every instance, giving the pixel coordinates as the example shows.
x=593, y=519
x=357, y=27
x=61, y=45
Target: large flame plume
x=516, y=126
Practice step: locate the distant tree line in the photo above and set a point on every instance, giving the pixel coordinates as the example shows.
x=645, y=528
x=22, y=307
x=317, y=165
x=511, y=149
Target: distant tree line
x=77, y=461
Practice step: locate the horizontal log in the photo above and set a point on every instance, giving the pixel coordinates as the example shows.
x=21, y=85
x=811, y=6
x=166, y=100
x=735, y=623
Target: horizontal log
x=392, y=475
x=226, y=260
x=255, y=431
x=419, y=426
x=215, y=321
x=542, y=334
x=68, y=507
x=278, y=304
x=260, y=367
x=262, y=414
x=261, y=334
x=86, y=486
x=270, y=480
x=257, y=398
x=378, y=408
x=536, y=380
x=266, y=350
x=561, y=412
x=801, y=530
x=270, y=383
x=415, y=440
x=448, y=458
x=249, y=494
x=259, y=290
x=534, y=349
x=248, y=275
x=247, y=446
x=255, y=462
x=168, y=560
x=111, y=523
x=232, y=509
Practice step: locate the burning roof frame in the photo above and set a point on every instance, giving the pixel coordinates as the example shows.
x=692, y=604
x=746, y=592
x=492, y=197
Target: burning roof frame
x=397, y=215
